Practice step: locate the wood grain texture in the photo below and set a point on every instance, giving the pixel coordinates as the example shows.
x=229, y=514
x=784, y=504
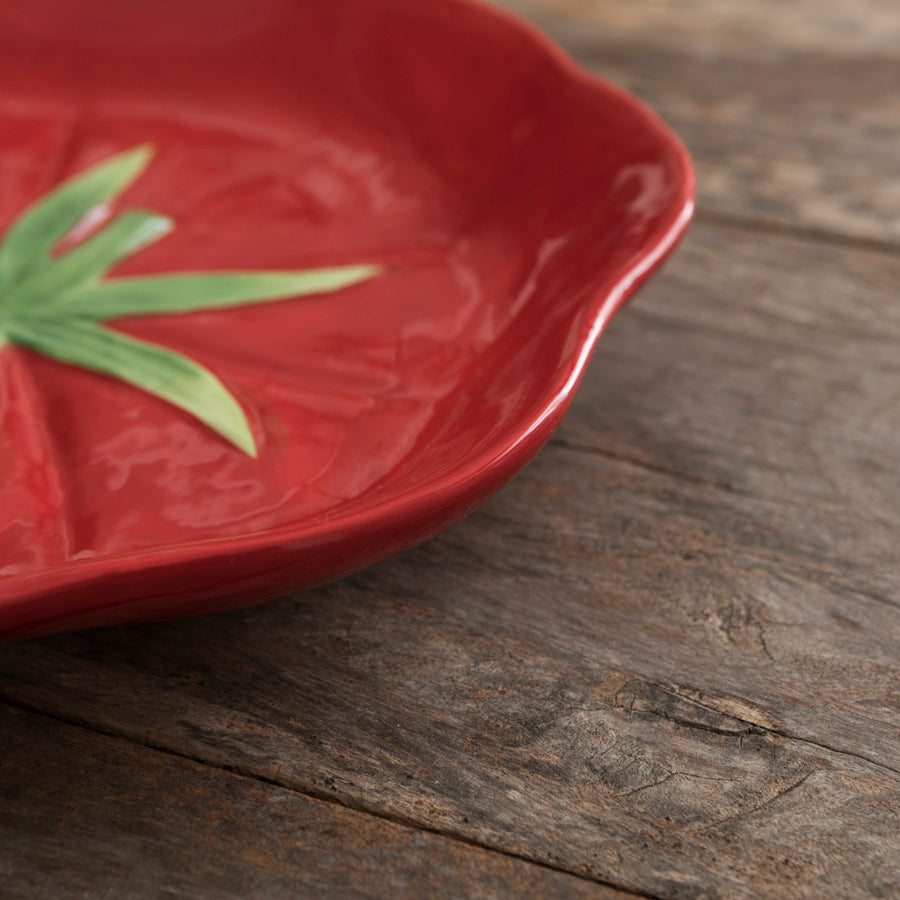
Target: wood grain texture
x=790, y=110
x=768, y=367
x=765, y=26
x=506, y=721
x=83, y=815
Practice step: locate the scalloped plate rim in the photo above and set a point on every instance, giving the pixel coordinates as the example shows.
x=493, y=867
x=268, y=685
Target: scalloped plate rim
x=508, y=456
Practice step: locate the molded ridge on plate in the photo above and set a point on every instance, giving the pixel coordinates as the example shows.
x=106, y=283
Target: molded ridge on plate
x=511, y=201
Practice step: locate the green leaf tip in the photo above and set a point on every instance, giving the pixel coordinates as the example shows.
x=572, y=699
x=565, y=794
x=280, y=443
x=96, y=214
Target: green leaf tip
x=159, y=371
x=86, y=263
x=56, y=304
x=194, y=291
x=28, y=243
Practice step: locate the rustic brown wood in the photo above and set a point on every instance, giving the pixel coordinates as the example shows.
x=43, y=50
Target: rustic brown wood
x=667, y=656
x=766, y=26
x=791, y=110
x=783, y=380
x=83, y=815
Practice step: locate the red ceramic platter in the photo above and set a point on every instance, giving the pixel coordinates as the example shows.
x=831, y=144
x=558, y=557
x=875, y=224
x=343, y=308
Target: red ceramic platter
x=513, y=201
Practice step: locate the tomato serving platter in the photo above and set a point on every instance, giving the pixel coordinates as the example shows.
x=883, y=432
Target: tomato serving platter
x=288, y=287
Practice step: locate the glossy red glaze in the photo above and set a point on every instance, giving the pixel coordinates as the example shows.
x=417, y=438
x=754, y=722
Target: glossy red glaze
x=514, y=200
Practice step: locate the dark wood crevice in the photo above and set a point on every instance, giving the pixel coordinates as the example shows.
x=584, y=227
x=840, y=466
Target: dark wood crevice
x=321, y=795
x=785, y=228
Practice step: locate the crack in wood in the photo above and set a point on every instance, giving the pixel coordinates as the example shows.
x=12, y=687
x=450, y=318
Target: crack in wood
x=749, y=728
x=324, y=796
x=713, y=483
x=687, y=478
x=638, y=696
x=769, y=801
x=807, y=233
x=668, y=777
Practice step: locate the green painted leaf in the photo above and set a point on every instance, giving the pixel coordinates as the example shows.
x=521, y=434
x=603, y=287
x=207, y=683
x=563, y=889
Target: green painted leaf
x=161, y=372
x=194, y=291
x=53, y=304
x=85, y=264
x=28, y=242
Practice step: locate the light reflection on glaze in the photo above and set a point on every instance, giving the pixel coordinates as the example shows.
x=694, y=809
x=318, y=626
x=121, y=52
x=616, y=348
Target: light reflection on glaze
x=339, y=395
x=502, y=191
x=340, y=388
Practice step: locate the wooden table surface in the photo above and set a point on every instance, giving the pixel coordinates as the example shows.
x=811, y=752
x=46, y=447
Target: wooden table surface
x=664, y=662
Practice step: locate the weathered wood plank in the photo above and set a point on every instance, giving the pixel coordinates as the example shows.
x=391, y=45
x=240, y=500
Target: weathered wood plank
x=767, y=26
x=84, y=815
x=790, y=110
x=491, y=706
x=766, y=366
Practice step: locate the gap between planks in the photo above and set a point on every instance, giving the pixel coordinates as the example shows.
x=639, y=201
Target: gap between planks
x=715, y=485
x=313, y=794
x=248, y=773
x=807, y=233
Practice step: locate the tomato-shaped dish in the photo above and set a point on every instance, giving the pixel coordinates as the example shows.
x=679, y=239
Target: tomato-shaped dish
x=486, y=205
